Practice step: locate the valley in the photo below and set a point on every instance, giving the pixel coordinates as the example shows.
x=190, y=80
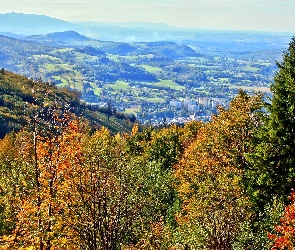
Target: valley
x=158, y=81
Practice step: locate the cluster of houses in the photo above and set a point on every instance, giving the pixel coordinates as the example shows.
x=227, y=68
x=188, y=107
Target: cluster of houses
x=195, y=105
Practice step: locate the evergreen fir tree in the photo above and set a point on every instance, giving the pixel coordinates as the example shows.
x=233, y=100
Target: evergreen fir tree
x=272, y=168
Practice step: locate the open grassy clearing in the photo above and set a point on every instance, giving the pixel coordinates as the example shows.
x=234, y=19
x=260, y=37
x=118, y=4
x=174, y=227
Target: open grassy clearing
x=151, y=69
x=113, y=57
x=250, y=69
x=96, y=89
x=162, y=83
x=132, y=110
x=64, y=82
x=83, y=57
x=149, y=55
x=50, y=67
x=64, y=66
x=266, y=64
x=72, y=79
x=223, y=79
x=156, y=99
x=52, y=58
x=75, y=79
x=201, y=89
x=129, y=57
x=118, y=85
x=55, y=67
x=170, y=84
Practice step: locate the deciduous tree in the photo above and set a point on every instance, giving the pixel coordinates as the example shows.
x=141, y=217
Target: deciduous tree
x=285, y=236
x=209, y=176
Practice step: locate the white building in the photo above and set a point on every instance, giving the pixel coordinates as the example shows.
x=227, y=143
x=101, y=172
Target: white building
x=204, y=101
x=193, y=108
x=187, y=102
x=176, y=104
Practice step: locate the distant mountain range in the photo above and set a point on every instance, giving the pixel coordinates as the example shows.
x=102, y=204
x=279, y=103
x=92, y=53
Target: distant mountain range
x=31, y=24
x=18, y=25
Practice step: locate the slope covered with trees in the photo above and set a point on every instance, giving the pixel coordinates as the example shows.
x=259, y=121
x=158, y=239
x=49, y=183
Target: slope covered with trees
x=20, y=97
x=216, y=185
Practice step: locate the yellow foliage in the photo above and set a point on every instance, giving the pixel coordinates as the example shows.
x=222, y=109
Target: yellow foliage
x=209, y=173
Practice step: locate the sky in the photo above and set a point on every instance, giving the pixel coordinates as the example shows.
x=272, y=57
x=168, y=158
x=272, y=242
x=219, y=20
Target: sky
x=263, y=15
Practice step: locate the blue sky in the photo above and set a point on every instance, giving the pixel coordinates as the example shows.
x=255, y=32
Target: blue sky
x=265, y=15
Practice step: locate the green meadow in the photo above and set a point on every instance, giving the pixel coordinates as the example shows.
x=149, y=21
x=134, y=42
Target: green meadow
x=151, y=69
x=170, y=84
x=118, y=85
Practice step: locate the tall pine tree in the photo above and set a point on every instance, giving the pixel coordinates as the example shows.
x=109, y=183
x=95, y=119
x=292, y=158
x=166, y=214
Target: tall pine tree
x=272, y=171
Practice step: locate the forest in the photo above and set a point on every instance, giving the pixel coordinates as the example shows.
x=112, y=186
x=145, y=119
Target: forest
x=223, y=184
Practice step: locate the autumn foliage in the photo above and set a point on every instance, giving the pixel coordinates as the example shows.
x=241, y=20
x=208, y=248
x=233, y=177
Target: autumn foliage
x=64, y=187
x=208, y=176
x=65, y=184
x=285, y=237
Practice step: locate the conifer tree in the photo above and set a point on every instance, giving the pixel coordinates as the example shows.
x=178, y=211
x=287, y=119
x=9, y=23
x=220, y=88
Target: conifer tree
x=272, y=171
x=282, y=118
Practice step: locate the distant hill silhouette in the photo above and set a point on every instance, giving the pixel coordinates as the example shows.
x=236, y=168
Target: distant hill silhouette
x=10, y=34
x=66, y=37
x=29, y=24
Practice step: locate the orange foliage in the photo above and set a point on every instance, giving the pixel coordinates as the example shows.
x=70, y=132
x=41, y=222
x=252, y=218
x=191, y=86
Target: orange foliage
x=286, y=230
x=45, y=165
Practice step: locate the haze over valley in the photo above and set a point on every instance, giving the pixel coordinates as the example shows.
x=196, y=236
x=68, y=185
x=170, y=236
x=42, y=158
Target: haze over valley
x=154, y=71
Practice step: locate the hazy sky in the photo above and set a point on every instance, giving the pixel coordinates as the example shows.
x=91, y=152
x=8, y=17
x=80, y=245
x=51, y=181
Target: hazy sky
x=268, y=15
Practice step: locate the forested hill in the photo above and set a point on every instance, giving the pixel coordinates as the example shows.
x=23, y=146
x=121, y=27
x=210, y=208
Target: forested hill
x=20, y=97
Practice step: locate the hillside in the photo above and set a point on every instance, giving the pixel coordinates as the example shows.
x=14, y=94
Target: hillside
x=21, y=97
